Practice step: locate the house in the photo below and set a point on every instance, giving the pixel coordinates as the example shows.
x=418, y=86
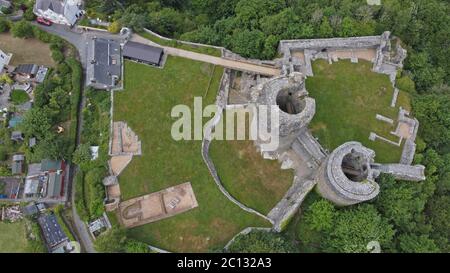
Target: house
x=53, y=234
x=143, y=53
x=27, y=70
x=4, y=60
x=105, y=63
x=64, y=12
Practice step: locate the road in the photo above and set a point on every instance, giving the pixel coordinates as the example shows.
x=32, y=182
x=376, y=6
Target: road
x=79, y=40
x=228, y=63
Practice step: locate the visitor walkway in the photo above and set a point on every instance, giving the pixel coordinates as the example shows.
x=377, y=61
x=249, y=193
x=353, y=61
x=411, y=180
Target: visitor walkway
x=227, y=63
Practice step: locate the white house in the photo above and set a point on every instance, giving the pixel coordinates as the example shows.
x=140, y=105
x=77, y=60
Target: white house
x=4, y=60
x=64, y=12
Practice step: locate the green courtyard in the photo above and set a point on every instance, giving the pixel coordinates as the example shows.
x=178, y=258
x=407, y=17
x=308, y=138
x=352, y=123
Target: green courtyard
x=348, y=96
x=256, y=182
x=13, y=237
x=146, y=104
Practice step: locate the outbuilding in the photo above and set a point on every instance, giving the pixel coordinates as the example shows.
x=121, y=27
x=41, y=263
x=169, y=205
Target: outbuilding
x=143, y=53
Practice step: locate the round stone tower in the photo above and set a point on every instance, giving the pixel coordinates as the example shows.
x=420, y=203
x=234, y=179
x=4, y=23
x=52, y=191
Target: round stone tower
x=346, y=177
x=287, y=95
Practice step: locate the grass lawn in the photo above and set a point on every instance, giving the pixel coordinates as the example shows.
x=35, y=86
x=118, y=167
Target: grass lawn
x=13, y=237
x=146, y=104
x=348, y=96
x=19, y=96
x=251, y=179
x=26, y=51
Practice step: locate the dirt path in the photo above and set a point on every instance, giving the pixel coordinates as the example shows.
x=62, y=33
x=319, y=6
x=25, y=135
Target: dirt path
x=237, y=65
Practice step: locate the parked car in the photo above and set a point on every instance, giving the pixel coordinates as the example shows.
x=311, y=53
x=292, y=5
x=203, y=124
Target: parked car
x=44, y=21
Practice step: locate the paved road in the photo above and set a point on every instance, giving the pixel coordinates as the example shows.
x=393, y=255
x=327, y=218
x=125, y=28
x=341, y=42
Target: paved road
x=79, y=40
x=233, y=64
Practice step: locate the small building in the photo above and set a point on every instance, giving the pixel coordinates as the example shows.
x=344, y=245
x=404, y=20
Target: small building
x=32, y=186
x=27, y=70
x=54, y=170
x=104, y=63
x=4, y=60
x=65, y=12
x=53, y=234
x=143, y=53
x=17, y=164
x=16, y=136
x=14, y=121
x=32, y=142
x=30, y=210
x=40, y=74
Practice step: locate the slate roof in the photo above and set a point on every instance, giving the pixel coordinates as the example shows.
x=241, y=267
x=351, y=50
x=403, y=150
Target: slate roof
x=55, y=181
x=53, y=233
x=105, y=64
x=56, y=6
x=142, y=52
x=28, y=69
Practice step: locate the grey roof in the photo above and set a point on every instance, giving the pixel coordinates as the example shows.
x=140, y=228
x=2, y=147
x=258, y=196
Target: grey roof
x=56, y=6
x=16, y=167
x=16, y=135
x=4, y=3
x=54, y=185
x=30, y=209
x=105, y=63
x=29, y=69
x=32, y=142
x=18, y=157
x=143, y=52
x=52, y=231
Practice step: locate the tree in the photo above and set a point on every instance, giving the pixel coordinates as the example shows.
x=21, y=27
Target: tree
x=261, y=242
x=433, y=112
x=82, y=155
x=115, y=27
x=248, y=43
x=167, y=22
x=36, y=123
x=411, y=243
x=325, y=29
x=399, y=202
x=22, y=29
x=354, y=228
x=438, y=211
x=320, y=215
x=111, y=241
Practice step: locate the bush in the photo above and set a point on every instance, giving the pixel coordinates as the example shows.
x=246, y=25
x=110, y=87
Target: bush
x=19, y=96
x=22, y=29
x=406, y=84
x=4, y=25
x=261, y=242
x=115, y=27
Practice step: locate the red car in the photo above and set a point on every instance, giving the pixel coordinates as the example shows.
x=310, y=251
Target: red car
x=44, y=21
